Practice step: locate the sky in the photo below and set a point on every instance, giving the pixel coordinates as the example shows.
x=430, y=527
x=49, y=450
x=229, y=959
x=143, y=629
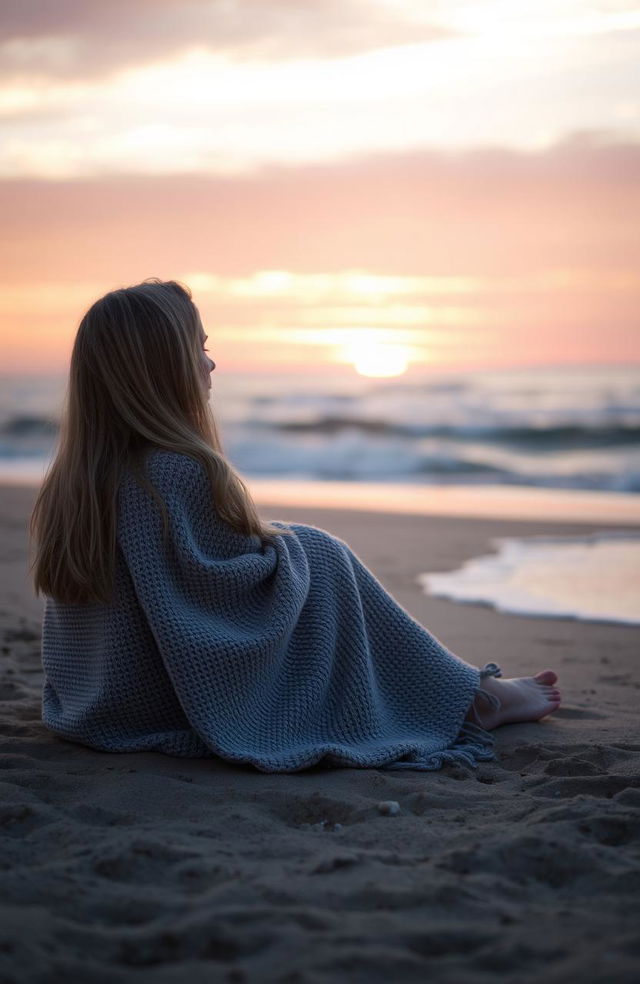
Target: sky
x=364, y=185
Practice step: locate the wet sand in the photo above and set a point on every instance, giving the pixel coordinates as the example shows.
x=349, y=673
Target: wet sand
x=146, y=868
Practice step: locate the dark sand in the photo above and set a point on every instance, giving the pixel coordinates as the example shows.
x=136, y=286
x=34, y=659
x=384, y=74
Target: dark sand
x=146, y=868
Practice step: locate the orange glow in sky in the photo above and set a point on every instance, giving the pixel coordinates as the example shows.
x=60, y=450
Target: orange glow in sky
x=377, y=186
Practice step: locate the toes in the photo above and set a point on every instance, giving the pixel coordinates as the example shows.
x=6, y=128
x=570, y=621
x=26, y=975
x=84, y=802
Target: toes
x=547, y=677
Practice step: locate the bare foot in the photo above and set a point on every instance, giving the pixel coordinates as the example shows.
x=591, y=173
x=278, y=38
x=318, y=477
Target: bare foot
x=521, y=699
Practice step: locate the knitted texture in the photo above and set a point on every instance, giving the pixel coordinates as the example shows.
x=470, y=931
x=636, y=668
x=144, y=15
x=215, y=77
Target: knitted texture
x=279, y=653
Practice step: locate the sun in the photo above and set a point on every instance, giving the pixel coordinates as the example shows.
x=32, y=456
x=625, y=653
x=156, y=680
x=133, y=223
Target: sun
x=372, y=352
x=378, y=359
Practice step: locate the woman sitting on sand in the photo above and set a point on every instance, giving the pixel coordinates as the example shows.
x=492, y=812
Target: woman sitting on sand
x=177, y=621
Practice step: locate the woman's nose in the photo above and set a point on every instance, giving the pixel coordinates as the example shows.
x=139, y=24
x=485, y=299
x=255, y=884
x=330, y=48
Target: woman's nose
x=213, y=365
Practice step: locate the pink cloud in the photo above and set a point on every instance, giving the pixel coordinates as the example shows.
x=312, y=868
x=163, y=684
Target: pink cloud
x=490, y=214
x=100, y=38
x=487, y=211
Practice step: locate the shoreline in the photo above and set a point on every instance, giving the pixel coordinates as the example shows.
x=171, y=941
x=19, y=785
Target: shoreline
x=499, y=502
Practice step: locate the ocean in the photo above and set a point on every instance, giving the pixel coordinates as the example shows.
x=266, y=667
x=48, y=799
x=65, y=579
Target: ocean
x=479, y=443
x=560, y=427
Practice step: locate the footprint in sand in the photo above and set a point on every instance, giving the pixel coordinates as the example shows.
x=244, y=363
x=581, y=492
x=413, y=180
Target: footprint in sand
x=140, y=862
x=522, y=858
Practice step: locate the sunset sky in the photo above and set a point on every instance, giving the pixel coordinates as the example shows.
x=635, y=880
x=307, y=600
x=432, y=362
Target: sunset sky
x=369, y=183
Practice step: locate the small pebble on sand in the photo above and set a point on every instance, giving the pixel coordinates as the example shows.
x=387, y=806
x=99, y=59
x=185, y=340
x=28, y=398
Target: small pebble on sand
x=389, y=808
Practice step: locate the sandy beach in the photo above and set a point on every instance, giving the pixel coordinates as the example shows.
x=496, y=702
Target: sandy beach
x=146, y=868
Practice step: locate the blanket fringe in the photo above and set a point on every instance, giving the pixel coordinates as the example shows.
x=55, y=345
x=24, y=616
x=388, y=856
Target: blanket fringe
x=473, y=745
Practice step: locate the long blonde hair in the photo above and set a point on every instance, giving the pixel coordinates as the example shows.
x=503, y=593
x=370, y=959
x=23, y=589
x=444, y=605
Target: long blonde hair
x=135, y=385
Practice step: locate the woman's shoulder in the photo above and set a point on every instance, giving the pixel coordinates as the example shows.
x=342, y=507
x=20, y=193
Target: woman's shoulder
x=173, y=474
x=163, y=465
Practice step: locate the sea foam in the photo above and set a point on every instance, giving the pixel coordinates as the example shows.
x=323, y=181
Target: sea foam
x=592, y=578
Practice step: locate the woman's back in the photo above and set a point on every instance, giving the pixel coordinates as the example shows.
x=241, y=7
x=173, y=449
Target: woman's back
x=105, y=682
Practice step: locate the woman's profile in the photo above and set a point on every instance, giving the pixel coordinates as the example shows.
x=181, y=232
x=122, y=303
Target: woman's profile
x=177, y=620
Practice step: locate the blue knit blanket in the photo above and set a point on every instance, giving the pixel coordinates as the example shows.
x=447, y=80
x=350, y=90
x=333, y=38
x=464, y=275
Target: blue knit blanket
x=281, y=654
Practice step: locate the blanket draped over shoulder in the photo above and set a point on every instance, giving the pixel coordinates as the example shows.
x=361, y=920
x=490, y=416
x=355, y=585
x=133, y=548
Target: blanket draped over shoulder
x=280, y=653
